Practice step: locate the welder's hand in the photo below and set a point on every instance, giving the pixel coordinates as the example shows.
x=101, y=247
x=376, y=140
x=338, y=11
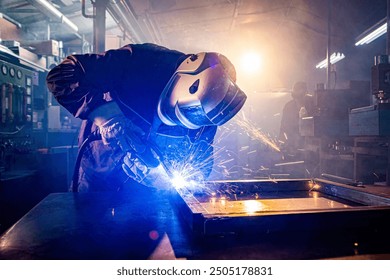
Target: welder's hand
x=64, y=77
x=130, y=138
x=115, y=129
x=155, y=177
x=134, y=168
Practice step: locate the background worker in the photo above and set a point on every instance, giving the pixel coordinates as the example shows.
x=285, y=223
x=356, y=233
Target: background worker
x=301, y=105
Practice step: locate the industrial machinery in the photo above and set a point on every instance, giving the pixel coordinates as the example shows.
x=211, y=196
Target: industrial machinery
x=370, y=127
x=21, y=111
x=373, y=120
x=36, y=151
x=327, y=139
x=333, y=106
x=29, y=121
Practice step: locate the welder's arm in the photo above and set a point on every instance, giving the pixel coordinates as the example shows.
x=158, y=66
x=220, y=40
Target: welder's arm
x=80, y=82
x=118, y=131
x=141, y=163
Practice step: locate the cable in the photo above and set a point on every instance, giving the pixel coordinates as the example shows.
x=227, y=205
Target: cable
x=13, y=132
x=95, y=135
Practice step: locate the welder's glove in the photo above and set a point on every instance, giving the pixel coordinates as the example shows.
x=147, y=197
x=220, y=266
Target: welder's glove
x=119, y=127
x=139, y=158
x=134, y=168
x=120, y=131
x=64, y=77
x=155, y=177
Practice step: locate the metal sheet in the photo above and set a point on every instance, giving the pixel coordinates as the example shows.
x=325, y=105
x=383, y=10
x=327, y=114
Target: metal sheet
x=251, y=207
x=228, y=207
x=134, y=223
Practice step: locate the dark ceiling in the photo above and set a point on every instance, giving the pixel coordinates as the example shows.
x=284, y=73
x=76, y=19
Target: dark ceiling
x=292, y=35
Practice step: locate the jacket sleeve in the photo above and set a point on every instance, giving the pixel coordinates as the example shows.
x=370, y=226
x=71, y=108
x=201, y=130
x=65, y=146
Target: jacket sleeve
x=80, y=83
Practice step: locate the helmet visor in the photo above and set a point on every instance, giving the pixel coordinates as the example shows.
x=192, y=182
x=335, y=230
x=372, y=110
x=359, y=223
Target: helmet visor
x=195, y=115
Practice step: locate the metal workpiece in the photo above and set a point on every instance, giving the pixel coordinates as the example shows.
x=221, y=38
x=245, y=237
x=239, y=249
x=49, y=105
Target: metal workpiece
x=300, y=219
x=237, y=207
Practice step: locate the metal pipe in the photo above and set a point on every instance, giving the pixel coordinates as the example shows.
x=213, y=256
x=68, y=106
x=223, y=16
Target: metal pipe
x=235, y=14
x=388, y=28
x=99, y=26
x=342, y=179
x=149, y=22
x=83, y=10
x=328, y=47
x=51, y=11
x=11, y=20
x=48, y=32
x=125, y=18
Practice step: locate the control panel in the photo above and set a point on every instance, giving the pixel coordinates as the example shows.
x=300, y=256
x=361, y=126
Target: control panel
x=21, y=113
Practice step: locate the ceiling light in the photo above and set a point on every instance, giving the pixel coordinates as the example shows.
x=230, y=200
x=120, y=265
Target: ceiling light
x=335, y=57
x=372, y=33
x=54, y=11
x=251, y=62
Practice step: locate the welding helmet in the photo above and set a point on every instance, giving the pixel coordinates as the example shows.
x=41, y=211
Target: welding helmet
x=202, y=92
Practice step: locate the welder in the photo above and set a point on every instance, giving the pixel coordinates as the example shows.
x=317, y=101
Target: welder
x=146, y=107
x=301, y=105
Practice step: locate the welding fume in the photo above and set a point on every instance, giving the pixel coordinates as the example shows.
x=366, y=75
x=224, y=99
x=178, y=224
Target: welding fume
x=148, y=112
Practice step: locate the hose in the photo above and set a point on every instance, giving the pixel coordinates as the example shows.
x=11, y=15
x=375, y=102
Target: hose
x=95, y=135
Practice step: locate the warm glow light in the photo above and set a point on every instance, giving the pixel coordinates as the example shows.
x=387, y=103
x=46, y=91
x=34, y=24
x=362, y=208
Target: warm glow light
x=251, y=62
x=252, y=206
x=316, y=186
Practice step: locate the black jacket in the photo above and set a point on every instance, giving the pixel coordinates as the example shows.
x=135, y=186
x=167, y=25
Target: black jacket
x=134, y=75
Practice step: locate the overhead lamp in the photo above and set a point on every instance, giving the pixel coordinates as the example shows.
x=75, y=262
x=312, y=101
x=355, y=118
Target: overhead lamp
x=251, y=62
x=372, y=33
x=58, y=14
x=335, y=57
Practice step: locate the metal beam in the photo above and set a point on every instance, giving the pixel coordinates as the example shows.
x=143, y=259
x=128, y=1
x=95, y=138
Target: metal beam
x=11, y=20
x=99, y=26
x=124, y=16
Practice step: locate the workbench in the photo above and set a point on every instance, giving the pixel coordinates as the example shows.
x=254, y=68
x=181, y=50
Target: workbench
x=143, y=223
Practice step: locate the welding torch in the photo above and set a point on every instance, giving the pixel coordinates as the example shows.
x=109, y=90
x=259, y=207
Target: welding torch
x=143, y=151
